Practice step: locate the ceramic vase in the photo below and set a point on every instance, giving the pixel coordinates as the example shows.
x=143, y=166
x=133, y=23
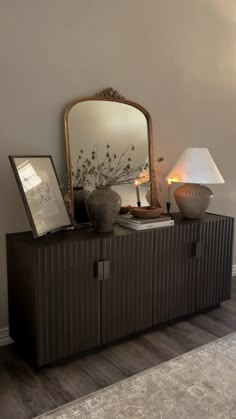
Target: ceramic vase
x=80, y=210
x=103, y=205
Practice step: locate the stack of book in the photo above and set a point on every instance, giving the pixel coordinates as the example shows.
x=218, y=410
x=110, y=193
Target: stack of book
x=129, y=221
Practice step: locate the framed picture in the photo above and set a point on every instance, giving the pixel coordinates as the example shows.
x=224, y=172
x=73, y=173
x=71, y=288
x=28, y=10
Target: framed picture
x=39, y=187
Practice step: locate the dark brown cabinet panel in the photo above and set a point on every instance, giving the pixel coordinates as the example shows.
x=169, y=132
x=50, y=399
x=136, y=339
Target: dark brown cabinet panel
x=68, y=299
x=65, y=295
x=174, y=272
x=213, y=283
x=127, y=293
x=21, y=296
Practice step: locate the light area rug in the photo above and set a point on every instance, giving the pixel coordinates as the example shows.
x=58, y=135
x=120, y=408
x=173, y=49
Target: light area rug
x=199, y=384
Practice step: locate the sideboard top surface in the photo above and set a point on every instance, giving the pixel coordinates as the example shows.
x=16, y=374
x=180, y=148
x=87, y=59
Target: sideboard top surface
x=87, y=233
x=207, y=217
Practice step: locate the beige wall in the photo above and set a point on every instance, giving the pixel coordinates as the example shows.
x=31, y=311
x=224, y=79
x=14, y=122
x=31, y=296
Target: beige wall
x=176, y=57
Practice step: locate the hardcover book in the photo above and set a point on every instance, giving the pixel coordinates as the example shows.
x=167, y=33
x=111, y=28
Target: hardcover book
x=131, y=218
x=144, y=226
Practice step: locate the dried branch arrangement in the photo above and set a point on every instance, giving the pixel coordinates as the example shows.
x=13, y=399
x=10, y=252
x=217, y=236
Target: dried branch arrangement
x=110, y=171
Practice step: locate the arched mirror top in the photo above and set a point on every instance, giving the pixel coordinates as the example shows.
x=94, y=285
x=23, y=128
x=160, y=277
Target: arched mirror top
x=105, y=124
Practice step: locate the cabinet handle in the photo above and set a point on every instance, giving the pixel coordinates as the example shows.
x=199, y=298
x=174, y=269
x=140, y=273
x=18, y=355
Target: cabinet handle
x=106, y=269
x=102, y=270
x=197, y=249
x=98, y=270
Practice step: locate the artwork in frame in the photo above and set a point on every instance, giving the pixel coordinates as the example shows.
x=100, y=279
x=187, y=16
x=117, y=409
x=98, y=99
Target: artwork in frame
x=39, y=187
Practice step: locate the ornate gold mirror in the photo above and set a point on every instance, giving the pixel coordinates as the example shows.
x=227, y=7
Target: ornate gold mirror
x=108, y=130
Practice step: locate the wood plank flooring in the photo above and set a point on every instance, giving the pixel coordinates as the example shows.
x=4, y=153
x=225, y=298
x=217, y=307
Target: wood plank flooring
x=26, y=393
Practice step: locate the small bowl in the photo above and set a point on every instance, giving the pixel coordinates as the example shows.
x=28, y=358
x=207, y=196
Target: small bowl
x=125, y=210
x=146, y=212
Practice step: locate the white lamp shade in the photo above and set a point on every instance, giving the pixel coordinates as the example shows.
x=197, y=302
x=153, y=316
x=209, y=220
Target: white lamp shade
x=195, y=165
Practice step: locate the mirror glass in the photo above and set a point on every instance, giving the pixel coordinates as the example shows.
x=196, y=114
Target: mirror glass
x=97, y=126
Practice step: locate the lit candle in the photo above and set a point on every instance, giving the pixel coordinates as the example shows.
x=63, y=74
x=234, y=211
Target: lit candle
x=137, y=192
x=169, y=188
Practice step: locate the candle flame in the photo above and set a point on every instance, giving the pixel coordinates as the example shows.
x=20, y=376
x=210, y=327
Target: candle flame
x=169, y=181
x=136, y=182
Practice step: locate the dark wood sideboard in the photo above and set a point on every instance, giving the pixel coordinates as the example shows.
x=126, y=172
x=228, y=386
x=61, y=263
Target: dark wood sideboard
x=79, y=290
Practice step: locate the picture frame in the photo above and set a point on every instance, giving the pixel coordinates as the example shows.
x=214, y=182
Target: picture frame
x=39, y=187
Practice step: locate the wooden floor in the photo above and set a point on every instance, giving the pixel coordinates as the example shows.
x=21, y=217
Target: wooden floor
x=25, y=393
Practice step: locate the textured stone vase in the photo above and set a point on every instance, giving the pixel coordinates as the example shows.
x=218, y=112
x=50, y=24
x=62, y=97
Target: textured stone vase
x=103, y=205
x=80, y=210
x=193, y=199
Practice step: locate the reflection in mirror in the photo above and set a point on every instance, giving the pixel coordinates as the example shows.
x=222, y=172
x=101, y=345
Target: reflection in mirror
x=110, y=132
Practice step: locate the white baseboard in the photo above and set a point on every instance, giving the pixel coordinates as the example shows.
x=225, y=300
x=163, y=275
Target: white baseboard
x=234, y=270
x=4, y=337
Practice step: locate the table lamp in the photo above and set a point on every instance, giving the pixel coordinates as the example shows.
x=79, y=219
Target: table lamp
x=195, y=167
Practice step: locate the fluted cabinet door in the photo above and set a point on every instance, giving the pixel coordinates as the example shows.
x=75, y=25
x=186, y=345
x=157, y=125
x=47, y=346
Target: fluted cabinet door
x=174, y=272
x=215, y=263
x=67, y=299
x=127, y=293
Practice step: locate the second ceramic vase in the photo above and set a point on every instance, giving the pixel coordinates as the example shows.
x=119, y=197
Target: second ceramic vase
x=80, y=210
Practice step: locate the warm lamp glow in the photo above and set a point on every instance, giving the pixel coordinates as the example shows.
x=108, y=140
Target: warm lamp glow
x=169, y=181
x=175, y=179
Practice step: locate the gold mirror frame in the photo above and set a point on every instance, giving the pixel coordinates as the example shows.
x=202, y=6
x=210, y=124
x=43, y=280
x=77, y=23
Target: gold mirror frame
x=112, y=95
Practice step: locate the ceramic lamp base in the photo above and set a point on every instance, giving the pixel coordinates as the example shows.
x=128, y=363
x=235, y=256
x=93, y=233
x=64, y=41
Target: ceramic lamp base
x=193, y=199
